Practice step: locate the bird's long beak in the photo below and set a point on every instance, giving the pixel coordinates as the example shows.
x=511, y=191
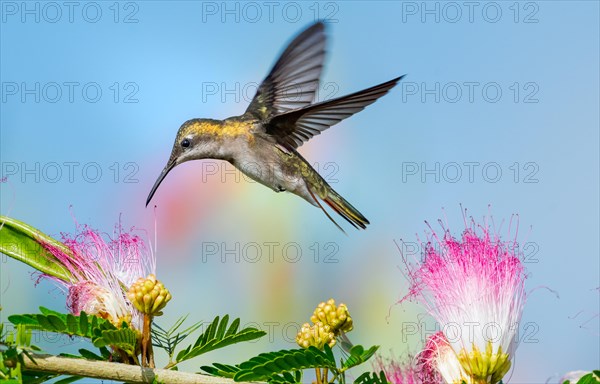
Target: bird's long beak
x=170, y=165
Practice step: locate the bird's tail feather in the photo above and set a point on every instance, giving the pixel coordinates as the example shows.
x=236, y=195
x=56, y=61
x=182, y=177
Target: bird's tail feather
x=346, y=210
x=343, y=208
x=324, y=211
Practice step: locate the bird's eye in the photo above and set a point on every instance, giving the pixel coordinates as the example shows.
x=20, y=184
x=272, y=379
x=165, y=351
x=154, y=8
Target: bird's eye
x=185, y=143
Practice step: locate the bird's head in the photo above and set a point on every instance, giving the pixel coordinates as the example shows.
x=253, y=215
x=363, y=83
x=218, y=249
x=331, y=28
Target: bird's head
x=196, y=139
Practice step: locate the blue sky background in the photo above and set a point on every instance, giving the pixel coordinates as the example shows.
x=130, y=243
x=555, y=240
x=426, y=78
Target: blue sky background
x=528, y=130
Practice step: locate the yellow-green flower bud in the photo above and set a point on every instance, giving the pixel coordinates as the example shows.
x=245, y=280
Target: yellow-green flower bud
x=149, y=295
x=337, y=317
x=316, y=335
x=485, y=367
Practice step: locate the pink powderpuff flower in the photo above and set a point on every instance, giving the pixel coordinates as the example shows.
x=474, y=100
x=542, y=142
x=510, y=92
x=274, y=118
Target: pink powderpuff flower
x=436, y=363
x=410, y=370
x=474, y=288
x=440, y=361
x=102, y=269
x=398, y=371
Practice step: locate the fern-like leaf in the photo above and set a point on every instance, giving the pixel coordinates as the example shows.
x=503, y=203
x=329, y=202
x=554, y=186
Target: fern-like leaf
x=86, y=354
x=372, y=378
x=125, y=339
x=287, y=378
x=170, y=339
x=221, y=370
x=52, y=321
x=358, y=355
x=274, y=365
x=218, y=335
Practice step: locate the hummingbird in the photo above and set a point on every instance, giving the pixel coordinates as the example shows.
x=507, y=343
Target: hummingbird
x=263, y=142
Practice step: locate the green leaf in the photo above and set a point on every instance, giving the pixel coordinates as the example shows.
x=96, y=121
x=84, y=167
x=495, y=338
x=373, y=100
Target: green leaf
x=90, y=355
x=70, y=355
x=24, y=243
x=47, y=311
x=274, y=365
x=170, y=339
x=358, y=355
x=329, y=352
x=68, y=380
x=32, y=377
x=56, y=322
x=105, y=353
x=83, y=323
x=287, y=378
x=23, y=336
x=22, y=319
x=215, y=337
x=591, y=378
x=222, y=327
x=44, y=322
x=211, y=330
x=372, y=378
x=125, y=339
x=221, y=370
x=52, y=321
x=233, y=327
x=72, y=324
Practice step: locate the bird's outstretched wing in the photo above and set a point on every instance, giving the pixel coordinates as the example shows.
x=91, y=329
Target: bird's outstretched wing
x=293, y=128
x=294, y=78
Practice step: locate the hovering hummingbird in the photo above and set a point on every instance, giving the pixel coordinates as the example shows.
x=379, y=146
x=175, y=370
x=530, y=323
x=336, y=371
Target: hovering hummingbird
x=262, y=143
